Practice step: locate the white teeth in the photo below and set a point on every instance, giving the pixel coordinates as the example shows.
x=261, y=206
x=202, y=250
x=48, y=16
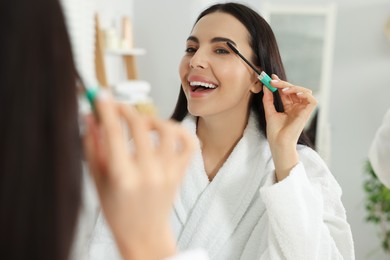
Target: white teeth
x=203, y=84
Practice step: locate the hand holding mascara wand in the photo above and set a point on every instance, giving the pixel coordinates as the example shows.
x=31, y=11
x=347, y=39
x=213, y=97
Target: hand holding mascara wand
x=285, y=123
x=262, y=76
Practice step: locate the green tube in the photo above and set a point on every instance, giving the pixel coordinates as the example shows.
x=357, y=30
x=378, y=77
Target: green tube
x=91, y=94
x=266, y=80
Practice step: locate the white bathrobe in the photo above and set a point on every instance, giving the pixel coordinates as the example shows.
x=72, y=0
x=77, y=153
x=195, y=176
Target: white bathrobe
x=379, y=152
x=244, y=214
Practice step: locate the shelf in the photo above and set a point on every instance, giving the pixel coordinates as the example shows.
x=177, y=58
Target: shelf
x=126, y=52
x=128, y=55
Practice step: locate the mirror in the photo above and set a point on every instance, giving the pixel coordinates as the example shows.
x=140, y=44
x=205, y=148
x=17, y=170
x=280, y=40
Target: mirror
x=305, y=36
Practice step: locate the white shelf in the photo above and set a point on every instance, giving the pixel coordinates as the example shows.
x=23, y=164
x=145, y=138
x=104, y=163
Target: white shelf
x=125, y=52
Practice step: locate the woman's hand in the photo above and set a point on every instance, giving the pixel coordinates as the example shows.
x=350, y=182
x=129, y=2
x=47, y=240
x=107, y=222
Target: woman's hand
x=284, y=129
x=137, y=189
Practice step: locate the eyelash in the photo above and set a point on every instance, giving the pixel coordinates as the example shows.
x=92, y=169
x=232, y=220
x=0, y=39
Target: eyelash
x=222, y=51
x=190, y=50
x=218, y=51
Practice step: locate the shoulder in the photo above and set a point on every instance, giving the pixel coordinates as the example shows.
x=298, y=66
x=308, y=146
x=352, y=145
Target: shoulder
x=316, y=169
x=311, y=158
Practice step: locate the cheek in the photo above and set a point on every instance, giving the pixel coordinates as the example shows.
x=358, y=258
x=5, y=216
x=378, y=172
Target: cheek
x=234, y=75
x=184, y=67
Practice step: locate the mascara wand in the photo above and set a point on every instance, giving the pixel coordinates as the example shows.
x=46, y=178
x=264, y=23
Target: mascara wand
x=262, y=76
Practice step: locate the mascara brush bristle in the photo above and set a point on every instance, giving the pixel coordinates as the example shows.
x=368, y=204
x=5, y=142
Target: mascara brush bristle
x=232, y=47
x=242, y=57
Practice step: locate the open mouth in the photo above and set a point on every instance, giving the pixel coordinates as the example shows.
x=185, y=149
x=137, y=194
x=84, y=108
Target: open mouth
x=198, y=86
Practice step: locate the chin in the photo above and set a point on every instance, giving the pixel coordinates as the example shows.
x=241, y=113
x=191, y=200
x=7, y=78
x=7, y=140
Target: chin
x=196, y=110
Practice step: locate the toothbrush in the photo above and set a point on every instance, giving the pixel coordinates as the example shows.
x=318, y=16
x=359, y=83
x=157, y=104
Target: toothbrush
x=262, y=76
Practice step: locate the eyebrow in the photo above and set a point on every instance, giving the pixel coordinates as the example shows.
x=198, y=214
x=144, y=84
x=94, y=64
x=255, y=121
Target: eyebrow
x=213, y=40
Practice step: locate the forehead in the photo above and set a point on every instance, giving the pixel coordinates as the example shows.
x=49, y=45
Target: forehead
x=221, y=25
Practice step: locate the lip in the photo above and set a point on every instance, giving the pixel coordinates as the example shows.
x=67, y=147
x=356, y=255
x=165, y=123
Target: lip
x=204, y=93
x=201, y=79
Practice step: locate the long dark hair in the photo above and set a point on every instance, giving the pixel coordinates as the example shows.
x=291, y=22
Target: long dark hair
x=40, y=148
x=266, y=56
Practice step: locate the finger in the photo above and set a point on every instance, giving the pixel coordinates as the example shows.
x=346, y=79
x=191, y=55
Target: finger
x=286, y=99
x=139, y=127
x=268, y=102
x=187, y=141
x=292, y=96
x=308, y=98
x=175, y=143
x=186, y=145
x=287, y=87
x=167, y=139
x=278, y=83
x=305, y=108
x=292, y=89
x=92, y=151
x=283, y=86
x=113, y=136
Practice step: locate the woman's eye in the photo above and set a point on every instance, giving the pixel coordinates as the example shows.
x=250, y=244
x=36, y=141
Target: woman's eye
x=190, y=50
x=222, y=51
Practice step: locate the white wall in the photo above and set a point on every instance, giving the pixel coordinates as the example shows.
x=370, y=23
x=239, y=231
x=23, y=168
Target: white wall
x=161, y=27
x=359, y=95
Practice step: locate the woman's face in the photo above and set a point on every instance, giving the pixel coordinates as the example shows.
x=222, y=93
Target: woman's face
x=215, y=80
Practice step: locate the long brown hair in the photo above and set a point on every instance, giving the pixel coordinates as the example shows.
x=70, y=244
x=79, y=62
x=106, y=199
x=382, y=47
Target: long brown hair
x=40, y=148
x=266, y=56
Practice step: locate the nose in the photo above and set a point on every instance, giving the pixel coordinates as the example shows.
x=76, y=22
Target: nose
x=199, y=60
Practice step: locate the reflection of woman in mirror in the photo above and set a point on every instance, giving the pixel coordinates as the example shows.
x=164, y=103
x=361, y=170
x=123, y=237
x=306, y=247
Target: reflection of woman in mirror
x=254, y=189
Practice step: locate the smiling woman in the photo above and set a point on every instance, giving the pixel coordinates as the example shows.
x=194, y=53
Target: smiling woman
x=254, y=189
x=208, y=59
x=231, y=122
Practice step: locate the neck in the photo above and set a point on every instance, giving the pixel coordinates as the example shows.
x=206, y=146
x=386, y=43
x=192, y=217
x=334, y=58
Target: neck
x=220, y=132
x=218, y=136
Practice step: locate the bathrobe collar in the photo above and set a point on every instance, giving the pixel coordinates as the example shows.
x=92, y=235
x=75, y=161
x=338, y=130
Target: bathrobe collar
x=208, y=211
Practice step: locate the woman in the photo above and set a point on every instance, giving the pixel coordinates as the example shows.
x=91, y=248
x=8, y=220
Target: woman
x=251, y=192
x=40, y=149
x=254, y=189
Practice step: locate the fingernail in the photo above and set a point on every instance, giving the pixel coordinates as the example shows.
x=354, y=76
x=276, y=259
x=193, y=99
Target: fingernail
x=285, y=89
x=104, y=95
x=300, y=93
x=274, y=81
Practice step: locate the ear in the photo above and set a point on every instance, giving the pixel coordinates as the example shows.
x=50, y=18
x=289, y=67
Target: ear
x=257, y=86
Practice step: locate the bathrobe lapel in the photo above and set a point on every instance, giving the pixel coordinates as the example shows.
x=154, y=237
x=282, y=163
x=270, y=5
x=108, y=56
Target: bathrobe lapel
x=209, y=212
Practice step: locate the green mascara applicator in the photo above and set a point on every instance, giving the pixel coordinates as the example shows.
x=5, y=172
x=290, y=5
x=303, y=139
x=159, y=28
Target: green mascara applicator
x=262, y=76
